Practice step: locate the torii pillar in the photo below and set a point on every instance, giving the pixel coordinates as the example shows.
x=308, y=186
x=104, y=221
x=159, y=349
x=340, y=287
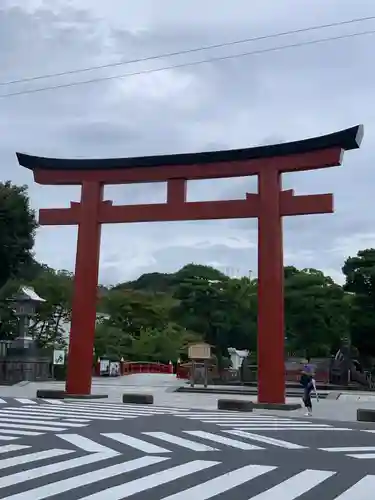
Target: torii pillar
x=269, y=205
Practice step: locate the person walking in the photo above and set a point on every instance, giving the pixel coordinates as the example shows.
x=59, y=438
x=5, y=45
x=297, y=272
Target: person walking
x=308, y=383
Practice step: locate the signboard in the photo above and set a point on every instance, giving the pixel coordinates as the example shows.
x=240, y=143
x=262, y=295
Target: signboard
x=199, y=351
x=104, y=367
x=58, y=357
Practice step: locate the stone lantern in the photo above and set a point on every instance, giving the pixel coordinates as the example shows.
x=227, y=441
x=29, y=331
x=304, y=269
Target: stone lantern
x=24, y=360
x=24, y=304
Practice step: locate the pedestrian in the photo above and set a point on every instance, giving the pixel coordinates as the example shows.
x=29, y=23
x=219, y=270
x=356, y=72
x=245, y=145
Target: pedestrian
x=308, y=383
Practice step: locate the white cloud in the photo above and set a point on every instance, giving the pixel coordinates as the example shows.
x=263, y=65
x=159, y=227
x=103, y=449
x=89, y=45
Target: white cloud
x=273, y=97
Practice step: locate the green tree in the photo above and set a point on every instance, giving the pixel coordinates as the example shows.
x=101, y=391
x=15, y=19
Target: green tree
x=132, y=311
x=359, y=274
x=223, y=312
x=162, y=345
x=56, y=288
x=17, y=230
x=316, y=313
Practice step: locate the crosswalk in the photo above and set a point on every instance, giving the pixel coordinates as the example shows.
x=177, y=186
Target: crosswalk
x=359, y=452
x=101, y=474
x=38, y=419
x=258, y=422
x=156, y=442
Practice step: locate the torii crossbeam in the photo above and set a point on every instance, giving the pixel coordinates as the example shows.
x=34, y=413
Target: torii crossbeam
x=269, y=205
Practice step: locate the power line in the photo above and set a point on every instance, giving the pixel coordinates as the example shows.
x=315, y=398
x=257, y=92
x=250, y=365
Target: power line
x=189, y=51
x=194, y=63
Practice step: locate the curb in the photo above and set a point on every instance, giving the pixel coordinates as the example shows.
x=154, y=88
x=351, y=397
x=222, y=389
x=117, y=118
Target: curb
x=138, y=399
x=235, y=405
x=365, y=415
x=57, y=394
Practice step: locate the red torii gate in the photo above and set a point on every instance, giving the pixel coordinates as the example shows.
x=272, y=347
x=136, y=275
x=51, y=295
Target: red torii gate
x=268, y=205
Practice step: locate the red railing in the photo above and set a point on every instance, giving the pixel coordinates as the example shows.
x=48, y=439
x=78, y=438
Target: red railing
x=131, y=367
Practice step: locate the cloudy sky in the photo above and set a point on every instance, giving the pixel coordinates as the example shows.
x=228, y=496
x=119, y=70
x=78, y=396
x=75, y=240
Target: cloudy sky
x=241, y=102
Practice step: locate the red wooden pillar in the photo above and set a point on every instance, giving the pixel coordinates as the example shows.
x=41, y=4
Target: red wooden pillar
x=85, y=291
x=271, y=364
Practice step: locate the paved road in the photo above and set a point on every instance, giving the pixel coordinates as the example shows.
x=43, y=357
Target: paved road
x=100, y=451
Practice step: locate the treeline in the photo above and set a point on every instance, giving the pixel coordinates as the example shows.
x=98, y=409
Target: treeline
x=157, y=315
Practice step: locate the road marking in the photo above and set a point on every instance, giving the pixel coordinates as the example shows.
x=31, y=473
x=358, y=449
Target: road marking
x=32, y=427
x=222, y=483
x=13, y=447
x=71, y=483
x=22, y=414
x=224, y=440
x=345, y=449
x=53, y=401
x=25, y=401
x=32, y=457
x=268, y=440
x=146, y=483
x=363, y=490
x=46, y=470
x=7, y=438
x=365, y=456
x=47, y=410
x=25, y=420
x=368, y=430
x=22, y=433
x=297, y=485
x=286, y=426
x=138, y=444
x=58, y=413
x=282, y=428
x=85, y=443
x=185, y=443
x=249, y=421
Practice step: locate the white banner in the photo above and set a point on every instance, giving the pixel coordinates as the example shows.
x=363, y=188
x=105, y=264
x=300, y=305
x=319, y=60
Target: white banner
x=58, y=357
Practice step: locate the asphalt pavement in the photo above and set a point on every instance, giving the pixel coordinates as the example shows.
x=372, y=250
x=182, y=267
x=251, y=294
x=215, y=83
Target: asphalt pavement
x=106, y=451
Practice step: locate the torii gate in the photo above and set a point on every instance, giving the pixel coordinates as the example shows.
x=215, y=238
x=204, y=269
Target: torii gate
x=269, y=205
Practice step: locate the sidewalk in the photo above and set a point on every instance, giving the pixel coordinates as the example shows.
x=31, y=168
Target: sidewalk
x=163, y=386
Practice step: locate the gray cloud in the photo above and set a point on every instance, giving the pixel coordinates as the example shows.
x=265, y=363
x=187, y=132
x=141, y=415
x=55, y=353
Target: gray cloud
x=272, y=97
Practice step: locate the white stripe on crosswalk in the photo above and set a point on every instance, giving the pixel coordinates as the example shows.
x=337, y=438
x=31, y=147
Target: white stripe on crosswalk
x=2, y=401
x=221, y=484
x=251, y=421
x=86, y=444
x=20, y=432
x=362, y=490
x=13, y=447
x=32, y=427
x=286, y=426
x=25, y=401
x=24, y=420
x=185, y=443
x=282, y=428
x=266, y=439
x=50, y=412
x=352, y=451
x=126, y=490
x=54, y=401
x=295, y=486
x=72, y=483
x=46, y=470
x=32, y=457
x=224, y=440
x=7, y=438
x=111, y=409
x=136, y=443
x=23, y=413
